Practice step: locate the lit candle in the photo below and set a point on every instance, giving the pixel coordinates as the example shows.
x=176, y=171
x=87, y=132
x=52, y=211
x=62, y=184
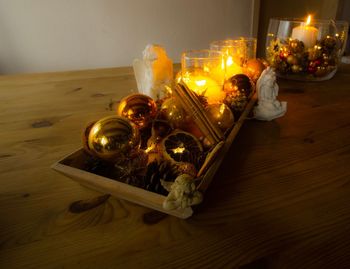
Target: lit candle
x=204, y=85
x=232, y=68
x=306, y=33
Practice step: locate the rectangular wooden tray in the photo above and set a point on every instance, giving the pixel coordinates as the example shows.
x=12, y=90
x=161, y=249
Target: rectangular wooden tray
x=137, y=195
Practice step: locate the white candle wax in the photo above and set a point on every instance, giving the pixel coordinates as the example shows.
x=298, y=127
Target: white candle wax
x=305, y=33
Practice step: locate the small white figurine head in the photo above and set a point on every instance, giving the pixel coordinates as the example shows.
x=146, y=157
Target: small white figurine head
x=267, y=78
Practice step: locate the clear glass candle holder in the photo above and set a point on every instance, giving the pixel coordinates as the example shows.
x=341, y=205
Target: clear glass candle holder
x=307, y=50
x=203, y=71
x=249, y=47
x=233, y=52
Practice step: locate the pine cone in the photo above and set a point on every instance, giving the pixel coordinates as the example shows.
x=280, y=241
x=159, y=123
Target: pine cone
x=156, y=172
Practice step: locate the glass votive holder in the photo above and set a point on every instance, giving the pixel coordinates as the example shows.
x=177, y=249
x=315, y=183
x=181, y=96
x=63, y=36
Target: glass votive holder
x=203, y=71
x=233, y=52
x=305, y=50
x=249, y=48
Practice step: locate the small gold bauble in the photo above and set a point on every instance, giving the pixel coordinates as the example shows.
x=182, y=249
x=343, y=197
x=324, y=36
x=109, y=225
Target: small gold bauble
x=138, y=108
x=253, y=68
x=296, y=45
x=172, y=111
x=296, y=68
x=113, y=137
x=221, y=115
x=291, y=59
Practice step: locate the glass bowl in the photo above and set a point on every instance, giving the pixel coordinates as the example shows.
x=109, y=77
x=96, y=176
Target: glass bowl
x=305, y=50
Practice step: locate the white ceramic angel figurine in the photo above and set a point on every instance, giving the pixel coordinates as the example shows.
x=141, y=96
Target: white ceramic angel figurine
x=268, y=107
x=154, y=71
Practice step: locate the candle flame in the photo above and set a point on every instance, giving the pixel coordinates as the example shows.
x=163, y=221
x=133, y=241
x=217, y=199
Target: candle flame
x=229, y=61
x=308, y=20
x=201, y=82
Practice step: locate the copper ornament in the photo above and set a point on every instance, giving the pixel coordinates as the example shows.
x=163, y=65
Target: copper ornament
x=138, y=108
x=253, y=68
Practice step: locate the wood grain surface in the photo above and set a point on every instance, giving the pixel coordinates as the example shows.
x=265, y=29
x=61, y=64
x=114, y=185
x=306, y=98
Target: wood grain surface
x=281, y=198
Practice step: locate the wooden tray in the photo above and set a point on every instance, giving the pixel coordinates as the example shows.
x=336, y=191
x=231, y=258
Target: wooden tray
x=71, y=164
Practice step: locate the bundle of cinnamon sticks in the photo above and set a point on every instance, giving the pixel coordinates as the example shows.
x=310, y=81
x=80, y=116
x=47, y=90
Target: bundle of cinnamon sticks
x=191, y=104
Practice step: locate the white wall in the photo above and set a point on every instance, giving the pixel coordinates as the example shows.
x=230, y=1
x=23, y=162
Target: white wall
x=53, y=35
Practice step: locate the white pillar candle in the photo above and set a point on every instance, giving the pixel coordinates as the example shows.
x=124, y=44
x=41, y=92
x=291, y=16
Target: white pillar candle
x=306, y=33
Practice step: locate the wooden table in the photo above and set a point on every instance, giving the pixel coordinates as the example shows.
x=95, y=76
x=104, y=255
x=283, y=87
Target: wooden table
x=280, y=200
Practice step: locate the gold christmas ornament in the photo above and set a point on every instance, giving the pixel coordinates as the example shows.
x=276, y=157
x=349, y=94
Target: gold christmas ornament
x=85, y=137
x=138, y=108
x=253, y=68
x=173, y=112
x=221, y=115
x=296, y=68
x=296, y=46
x=113, y=137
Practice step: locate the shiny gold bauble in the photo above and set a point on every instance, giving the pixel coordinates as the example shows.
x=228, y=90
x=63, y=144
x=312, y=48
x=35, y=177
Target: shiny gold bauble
x=291, y=59
x=296, y=68
x=113, y=137
x=296, y=46
x=138, y=108
x=172, y=111
x=221, y=115
x=85, y=137
x=253, y=68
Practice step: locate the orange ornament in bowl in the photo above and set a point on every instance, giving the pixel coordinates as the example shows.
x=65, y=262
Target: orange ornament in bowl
x=138, y=108
x=253, y=68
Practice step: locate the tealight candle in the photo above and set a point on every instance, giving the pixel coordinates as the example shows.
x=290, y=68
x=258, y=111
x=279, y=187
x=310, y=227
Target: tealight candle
x=203, y=71
x=233, y=51
x=306, y=33
x=206, y=86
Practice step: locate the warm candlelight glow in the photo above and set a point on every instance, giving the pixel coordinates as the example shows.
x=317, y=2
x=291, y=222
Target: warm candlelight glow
x=306, y=33
x=205, y=85
x=104, y=141
x=233, y=53
x=232, y=68
x=229, y=61
x=308, y=20
x=222, y=108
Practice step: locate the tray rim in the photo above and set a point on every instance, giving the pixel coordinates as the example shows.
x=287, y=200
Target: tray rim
x=148, y=199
